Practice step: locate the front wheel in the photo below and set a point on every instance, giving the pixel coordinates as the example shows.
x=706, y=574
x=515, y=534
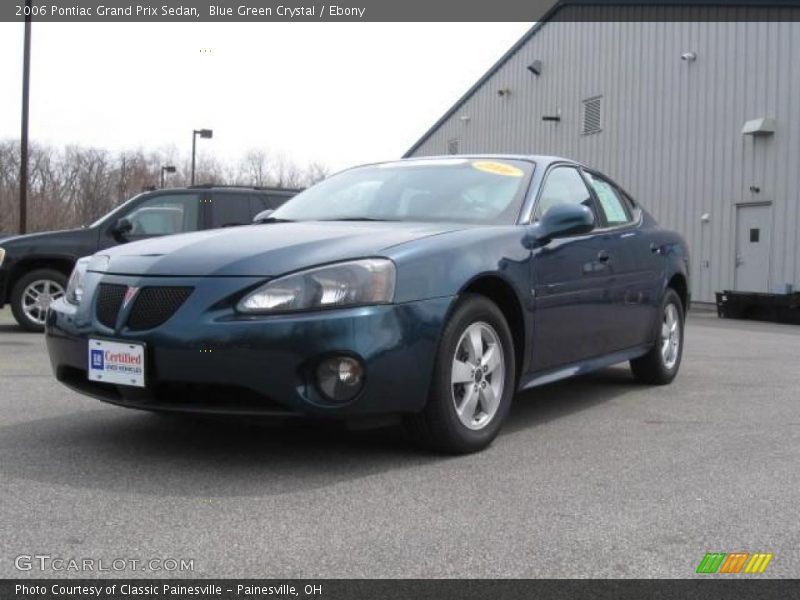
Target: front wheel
x=661, y=364
x=473, y=380
x=32, y=295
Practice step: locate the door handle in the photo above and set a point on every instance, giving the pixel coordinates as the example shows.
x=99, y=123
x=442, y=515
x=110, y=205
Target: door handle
x=655, y=248
x=603, y=256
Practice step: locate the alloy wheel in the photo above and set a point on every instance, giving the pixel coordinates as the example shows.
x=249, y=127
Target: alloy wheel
x=37, y=297
x=478, y=375
x=670, y=336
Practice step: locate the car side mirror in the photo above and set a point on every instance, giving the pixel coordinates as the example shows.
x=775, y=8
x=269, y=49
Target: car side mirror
x=122, y=228
x=263, y=216
x=563, y=220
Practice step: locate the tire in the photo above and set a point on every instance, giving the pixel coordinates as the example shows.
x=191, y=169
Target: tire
x=484, y=396
x=660, y=365
x=28, y=312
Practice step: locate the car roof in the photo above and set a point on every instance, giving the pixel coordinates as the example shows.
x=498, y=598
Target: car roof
x=539, y=159
x=227, y=188
x=249, y=188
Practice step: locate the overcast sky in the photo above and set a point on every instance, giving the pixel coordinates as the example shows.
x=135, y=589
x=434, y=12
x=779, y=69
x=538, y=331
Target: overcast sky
x=339, y=93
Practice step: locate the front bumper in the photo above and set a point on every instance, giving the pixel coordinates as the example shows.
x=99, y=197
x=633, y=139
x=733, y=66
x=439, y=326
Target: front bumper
x=206, y=358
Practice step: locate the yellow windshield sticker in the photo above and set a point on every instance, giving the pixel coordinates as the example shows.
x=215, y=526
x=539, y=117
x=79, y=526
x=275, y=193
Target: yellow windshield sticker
x=498, y=168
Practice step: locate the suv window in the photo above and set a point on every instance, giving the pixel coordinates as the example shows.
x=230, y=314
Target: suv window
x=564, y=185
x=228, y=208
x=259, y=202
x=165, y=215
x=275, y=200
x=612, y=204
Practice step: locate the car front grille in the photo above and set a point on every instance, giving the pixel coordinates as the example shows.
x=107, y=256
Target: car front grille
x=109, y=301
x=153, y=306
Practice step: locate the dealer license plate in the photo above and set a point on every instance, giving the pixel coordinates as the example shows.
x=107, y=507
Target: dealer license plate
x=116, y=362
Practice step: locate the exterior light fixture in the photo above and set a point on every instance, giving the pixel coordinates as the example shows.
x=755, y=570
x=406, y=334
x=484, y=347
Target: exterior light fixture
x=555, y=118
x=203, y=133
x=166, y=169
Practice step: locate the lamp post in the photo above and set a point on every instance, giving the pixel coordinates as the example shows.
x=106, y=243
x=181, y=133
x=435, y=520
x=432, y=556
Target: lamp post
x=203, y=133
x=23, y=146
x=166, y=169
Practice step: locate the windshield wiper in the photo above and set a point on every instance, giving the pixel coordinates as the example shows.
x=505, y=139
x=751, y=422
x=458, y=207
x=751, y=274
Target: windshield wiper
x=274, y=220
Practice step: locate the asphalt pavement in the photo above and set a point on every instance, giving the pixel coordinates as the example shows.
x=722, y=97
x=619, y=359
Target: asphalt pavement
x=594, y=477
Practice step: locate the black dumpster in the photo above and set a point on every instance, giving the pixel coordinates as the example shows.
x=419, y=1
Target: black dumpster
x=781, y=308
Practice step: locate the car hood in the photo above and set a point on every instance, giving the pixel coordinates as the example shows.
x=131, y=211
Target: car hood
x=34, y=239
x=264, y=250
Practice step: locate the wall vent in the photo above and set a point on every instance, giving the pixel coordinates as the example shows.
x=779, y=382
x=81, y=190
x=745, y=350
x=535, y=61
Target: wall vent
x=592, y=115
x=452, y=146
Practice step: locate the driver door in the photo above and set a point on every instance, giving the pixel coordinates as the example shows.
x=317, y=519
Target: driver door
x=570, y=281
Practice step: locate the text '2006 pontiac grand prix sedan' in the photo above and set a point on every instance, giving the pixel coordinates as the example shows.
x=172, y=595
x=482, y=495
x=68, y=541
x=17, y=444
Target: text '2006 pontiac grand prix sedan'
x=425, y=289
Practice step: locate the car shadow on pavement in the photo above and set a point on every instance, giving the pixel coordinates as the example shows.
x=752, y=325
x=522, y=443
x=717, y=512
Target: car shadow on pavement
x=540, y=405
x=118, y=450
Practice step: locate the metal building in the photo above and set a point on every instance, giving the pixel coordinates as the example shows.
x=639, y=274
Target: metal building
x=698, y=118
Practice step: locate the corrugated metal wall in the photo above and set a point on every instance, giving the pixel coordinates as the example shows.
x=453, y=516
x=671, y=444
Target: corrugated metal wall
x=671, y=128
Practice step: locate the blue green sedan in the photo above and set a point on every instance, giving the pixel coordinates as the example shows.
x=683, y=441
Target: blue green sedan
x=425, y=291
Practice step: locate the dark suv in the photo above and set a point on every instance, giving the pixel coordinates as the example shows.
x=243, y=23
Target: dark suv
x=34, y=268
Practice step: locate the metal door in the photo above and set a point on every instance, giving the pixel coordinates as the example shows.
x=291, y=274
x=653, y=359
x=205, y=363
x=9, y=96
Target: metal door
x=753, y=248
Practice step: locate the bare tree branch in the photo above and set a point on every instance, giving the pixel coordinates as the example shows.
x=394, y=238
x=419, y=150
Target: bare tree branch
x=75, y=185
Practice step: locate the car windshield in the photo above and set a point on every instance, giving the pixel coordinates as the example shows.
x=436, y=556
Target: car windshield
x=486, y=191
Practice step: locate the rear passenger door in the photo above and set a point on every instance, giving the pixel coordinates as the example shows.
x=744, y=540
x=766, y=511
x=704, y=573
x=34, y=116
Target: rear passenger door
x=634, y=266
x=229, y=209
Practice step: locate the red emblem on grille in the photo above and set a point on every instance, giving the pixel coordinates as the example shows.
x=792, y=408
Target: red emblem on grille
x=130, y=294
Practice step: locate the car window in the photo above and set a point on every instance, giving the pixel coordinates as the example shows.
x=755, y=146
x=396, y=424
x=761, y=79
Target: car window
x=276, y=200
x=611, y=201
x=488, y=191
x=165, y=215
x=355, y=199
x=563, y=185
x=228, y=209
x=633, y=208
x=258, y=202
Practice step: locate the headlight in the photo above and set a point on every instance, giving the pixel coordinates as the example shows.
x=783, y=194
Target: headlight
x=2, y=256
x=75, y=283
x=98, y=262
x=368, y=281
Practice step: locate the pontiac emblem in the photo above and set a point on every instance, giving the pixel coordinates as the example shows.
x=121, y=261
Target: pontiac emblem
x=130, y=294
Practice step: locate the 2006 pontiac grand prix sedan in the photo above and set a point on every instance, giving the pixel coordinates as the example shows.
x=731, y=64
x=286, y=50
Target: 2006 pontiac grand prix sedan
x=426, y=289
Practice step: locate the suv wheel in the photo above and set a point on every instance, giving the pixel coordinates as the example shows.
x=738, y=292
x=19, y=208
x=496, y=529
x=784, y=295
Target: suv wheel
x=32, y=295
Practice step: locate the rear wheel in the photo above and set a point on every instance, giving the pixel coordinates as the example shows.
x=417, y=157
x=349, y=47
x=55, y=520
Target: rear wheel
x=473, y=380
x=32, y=295
x=661, y=364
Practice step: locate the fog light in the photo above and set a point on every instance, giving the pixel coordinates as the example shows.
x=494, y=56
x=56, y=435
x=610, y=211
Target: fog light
x=340, y=378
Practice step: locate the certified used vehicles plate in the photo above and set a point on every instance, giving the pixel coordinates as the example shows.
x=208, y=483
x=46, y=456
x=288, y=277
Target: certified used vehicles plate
x=116, y=362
